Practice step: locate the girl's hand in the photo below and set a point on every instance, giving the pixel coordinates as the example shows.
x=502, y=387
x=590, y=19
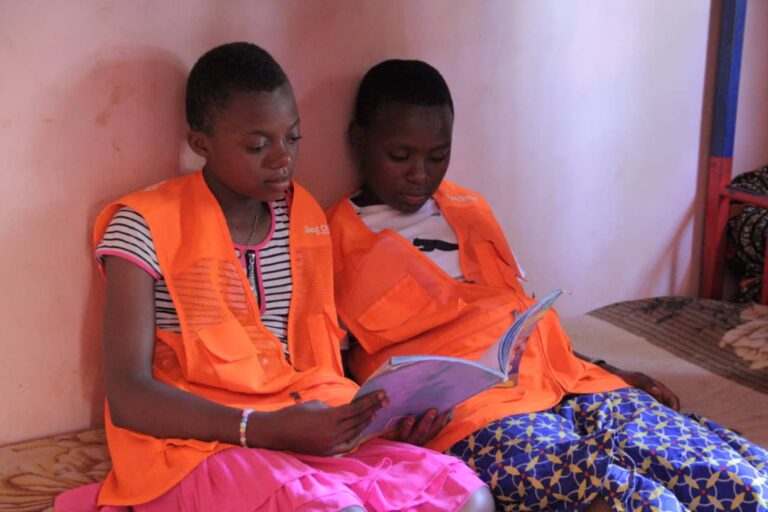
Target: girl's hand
x=640, y=381
x=420, y=432
x=648, y=384
x=314, y=427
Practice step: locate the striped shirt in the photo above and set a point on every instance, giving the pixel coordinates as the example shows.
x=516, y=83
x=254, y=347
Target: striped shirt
x=267, y=266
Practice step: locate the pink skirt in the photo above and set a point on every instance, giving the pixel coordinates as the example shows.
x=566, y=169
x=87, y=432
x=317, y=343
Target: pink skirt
x=380, y=475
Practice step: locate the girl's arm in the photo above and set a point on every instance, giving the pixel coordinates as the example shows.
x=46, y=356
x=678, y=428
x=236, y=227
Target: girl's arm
x=640, y=381
x=140, y=403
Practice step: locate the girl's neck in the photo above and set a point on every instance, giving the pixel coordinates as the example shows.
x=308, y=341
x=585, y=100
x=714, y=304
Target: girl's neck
x=366, y=198
x=238, y=209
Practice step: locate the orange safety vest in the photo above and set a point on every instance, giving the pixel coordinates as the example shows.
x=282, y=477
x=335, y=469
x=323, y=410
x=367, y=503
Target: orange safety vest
x=224, y=353
x=397, y=301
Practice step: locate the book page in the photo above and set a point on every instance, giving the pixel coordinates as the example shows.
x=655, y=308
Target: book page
x=422, y=383
x=515, y=340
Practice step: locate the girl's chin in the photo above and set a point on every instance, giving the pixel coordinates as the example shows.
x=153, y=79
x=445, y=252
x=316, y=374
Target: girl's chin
x=275, y=189
x=270, y=191
x=278, y=187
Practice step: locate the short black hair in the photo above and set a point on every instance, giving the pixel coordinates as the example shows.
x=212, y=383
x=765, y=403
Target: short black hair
x=232, y=67
x=412, y=82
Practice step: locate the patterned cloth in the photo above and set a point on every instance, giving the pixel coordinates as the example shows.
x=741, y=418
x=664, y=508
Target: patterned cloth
x=624, y=446
x=746, y=234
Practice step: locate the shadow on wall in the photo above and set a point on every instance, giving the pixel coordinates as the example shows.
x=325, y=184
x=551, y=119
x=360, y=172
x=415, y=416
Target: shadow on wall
x=325, y=65
x=667, y=266
x=326, y=110
x=118, y=127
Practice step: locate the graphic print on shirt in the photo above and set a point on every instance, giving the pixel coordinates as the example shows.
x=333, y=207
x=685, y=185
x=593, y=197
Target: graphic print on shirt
x=434, y=245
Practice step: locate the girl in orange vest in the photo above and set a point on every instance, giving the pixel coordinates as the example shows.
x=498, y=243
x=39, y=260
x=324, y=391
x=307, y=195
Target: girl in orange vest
x=422, y=266
x=223, y=376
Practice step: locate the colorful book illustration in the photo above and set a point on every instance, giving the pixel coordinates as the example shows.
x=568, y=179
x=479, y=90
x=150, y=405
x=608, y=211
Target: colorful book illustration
x=415, y=384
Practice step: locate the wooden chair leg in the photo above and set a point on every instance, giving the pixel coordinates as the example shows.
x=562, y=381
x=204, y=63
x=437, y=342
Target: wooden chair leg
x=715, y=220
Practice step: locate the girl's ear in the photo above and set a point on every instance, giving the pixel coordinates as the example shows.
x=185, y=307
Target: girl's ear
x=198, y=141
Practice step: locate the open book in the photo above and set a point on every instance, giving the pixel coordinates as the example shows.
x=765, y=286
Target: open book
x=415, y=384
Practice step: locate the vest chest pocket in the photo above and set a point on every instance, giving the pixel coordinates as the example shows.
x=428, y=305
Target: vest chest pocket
x=228, y=358
x=407, y=310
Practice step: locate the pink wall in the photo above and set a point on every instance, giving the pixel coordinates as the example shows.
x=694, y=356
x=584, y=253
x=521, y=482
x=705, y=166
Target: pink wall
x=557, y=106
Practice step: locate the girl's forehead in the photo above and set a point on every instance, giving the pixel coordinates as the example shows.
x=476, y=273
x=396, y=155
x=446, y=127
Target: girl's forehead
x=245, y=109
x=402, y=119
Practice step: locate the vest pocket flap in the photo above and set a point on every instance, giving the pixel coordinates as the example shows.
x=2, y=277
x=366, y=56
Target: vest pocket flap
x=227, y=341
x=399, y=304
x=407, y=310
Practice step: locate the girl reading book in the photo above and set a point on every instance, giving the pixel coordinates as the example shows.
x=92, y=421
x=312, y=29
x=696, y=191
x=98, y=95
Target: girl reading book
x=221, y=346
x=422, y=267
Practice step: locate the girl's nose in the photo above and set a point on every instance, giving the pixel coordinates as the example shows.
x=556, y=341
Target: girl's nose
x=280, y=157
x=418, y=172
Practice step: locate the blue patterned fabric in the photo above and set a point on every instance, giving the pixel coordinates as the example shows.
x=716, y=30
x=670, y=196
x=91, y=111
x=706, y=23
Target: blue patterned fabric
x=624, y=446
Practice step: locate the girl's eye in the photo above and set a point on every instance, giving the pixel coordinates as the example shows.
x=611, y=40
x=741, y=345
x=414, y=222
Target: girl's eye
x=398, y=158
x=293, y=139
x=256, y=145
x=436, y=159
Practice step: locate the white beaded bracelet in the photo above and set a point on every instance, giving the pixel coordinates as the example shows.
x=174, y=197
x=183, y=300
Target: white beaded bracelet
x=243, y=426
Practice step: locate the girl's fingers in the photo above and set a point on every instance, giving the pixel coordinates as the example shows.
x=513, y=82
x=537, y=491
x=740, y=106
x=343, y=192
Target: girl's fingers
x=440, y=422
x=674, y=401
x=437, y=426
x=360, y=409
x=422, y=431
x=346, y=446
x=373, y=396
x=354, y=431
x=667, y=397
x=406, y=427
x=362, y=405
x=352, y=418
x=350, y=427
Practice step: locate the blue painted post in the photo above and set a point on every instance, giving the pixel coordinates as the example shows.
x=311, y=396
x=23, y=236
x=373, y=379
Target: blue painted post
x=729, y=53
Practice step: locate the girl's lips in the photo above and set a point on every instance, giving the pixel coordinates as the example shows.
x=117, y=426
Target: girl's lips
x=413, y=198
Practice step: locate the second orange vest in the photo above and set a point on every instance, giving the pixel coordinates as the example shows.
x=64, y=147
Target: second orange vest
x=396, y=301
